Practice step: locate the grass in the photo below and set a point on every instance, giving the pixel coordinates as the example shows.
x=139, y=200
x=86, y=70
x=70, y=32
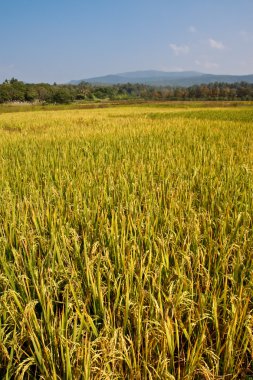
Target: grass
x=106, y=103
x=126, y=244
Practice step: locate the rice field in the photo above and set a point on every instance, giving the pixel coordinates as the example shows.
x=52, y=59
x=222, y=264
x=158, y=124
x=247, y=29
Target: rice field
x=126, y=243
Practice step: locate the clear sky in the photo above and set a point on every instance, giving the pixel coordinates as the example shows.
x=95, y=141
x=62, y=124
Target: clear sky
x=60, y=40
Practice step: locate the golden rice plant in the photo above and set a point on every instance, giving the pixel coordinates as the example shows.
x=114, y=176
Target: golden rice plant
x=126, y=244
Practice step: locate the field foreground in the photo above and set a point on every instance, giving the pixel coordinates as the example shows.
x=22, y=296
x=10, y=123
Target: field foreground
x=126, y=244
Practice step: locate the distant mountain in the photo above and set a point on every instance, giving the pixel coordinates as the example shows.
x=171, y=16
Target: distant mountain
x=163, y=78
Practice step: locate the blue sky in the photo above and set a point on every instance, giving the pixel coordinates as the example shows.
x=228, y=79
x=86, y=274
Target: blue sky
x=60, y=40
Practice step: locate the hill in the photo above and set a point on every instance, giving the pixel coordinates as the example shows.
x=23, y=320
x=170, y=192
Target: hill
x=163, y=78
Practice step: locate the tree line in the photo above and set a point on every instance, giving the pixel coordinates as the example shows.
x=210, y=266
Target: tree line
x=14, y=90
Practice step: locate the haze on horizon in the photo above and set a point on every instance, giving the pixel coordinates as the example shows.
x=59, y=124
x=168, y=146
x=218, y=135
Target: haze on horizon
x=60, y=40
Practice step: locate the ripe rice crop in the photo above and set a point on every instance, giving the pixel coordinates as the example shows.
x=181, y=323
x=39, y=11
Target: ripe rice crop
x=126, y=244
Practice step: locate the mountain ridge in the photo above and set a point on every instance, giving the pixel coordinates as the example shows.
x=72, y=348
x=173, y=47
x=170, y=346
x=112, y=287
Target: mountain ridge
x=165, y=78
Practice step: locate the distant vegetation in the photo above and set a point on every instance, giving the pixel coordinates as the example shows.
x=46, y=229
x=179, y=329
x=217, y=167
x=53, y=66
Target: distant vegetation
x=17, y=91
